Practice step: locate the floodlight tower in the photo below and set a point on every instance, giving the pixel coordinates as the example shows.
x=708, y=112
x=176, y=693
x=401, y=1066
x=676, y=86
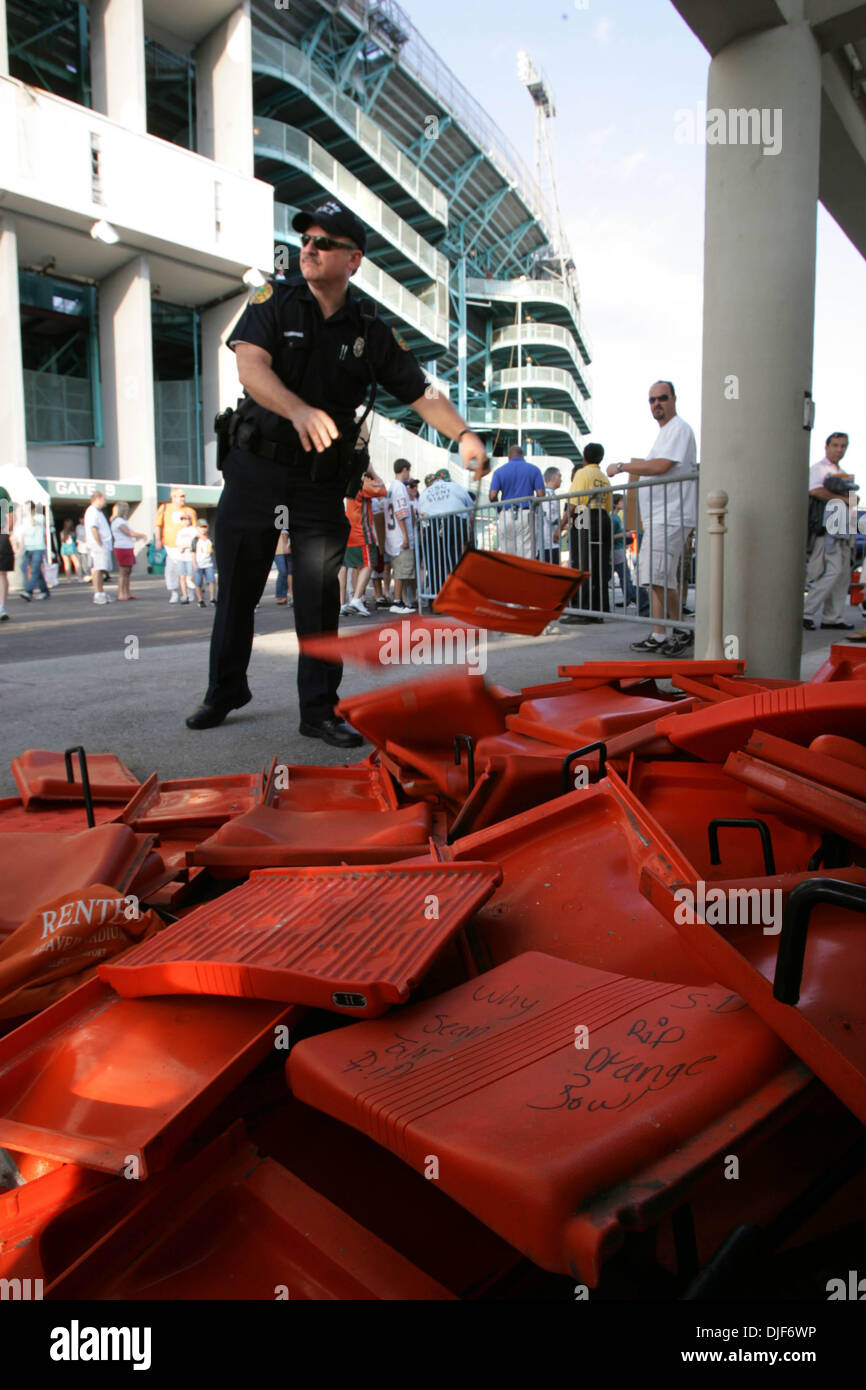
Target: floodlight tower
x=540, y=90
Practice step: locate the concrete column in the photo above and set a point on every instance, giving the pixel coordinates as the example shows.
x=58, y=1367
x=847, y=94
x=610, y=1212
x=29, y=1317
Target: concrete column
x=219, y=374
x=12, y=421
x=117, y=61
x=759, y=301
x=224, y=93
x=126, y=357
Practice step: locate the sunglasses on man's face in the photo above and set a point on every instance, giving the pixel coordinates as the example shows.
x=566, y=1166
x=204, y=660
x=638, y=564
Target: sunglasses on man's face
x=653, y=399
x=326, y=243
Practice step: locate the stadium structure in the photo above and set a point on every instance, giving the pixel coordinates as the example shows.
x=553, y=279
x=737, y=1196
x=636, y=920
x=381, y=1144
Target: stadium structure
x=155, y=155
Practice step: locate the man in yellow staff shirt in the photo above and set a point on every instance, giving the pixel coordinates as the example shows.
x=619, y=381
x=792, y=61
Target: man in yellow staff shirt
x=170, y=518
x=589, y=507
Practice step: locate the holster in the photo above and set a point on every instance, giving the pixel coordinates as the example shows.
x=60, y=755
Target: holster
x=341, y=462
x=222, y=429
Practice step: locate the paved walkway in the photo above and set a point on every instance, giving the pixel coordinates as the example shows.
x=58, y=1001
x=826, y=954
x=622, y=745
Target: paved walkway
x=65, y=679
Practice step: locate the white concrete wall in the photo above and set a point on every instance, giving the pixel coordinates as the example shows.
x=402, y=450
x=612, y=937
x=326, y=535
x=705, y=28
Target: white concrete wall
x=759, y=309
x=59, y=460
x=156, y=195
x=126, y=355
x=224, y=94
x=13, y=438
x=117, y=61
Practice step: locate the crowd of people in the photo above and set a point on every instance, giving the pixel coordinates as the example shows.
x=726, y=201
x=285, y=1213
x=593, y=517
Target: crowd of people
x=637, y=553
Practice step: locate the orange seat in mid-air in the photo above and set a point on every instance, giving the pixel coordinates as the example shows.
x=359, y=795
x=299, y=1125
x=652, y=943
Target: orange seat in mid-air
x=538, y=1086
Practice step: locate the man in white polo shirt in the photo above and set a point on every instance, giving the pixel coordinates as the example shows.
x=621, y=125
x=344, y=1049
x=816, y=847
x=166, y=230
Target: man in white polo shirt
x=99, y=544
x=669, y=516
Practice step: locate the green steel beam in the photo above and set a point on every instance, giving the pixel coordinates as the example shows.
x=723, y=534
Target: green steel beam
x=347, y=59
x=456, y=183
x=83, y=38
x=18, y=48
x=310, y=40
x=375, y=87
x=420, y=148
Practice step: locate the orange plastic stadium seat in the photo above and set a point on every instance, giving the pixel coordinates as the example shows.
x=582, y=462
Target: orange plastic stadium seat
x=844, y=663
x=686, y=797
x=822, y=1015
x=799, y=713
x=427, y=714
x=37, y=867
x=116, y=1084
x=269, y=838
x=570, y=885
x=355, y=940
x=231, y=1224
x=42, y=774
x=538, y=1086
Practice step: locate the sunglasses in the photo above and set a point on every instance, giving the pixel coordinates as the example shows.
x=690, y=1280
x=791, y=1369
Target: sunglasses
x=653, y=399
x=326, y=243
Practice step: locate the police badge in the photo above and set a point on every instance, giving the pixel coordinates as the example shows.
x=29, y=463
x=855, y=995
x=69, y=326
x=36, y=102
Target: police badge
x=358, y=346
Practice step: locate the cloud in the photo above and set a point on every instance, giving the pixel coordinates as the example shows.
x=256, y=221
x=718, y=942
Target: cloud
x=603, y=30
x=596, y=138
x=625, y=168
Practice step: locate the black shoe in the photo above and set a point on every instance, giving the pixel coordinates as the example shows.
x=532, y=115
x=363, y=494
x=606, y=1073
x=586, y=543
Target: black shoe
x=26, y=597
x=201, y=603
x=679, y=643
x=838, y=627
x=208, y=716
x=808, y=625
x=576, y=619
x=648, y=644
x=334, y=731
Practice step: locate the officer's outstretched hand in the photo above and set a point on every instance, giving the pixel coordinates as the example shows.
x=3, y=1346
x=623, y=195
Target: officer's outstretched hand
x=316, y=430
x=474, y=456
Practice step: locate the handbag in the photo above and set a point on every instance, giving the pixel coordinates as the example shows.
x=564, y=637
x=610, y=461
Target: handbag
x=50, y=573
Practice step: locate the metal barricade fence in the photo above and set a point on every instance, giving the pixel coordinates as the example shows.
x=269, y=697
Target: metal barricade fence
x=641, y=572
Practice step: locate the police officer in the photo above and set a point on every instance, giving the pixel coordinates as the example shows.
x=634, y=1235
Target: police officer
x=305, y=356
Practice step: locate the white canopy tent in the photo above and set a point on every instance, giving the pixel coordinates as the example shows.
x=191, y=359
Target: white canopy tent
x=22, y=488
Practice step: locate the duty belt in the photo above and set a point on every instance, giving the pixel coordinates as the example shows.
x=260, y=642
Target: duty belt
x=245, y=434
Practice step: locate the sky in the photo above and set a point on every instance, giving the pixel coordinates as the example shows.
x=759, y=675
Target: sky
x=632, y=199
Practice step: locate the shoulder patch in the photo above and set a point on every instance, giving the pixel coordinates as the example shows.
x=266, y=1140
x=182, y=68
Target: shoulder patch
x=263, y=293
x=404, y=345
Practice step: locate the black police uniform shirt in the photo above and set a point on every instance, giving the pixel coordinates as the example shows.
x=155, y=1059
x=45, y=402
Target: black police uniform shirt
x=321, y=360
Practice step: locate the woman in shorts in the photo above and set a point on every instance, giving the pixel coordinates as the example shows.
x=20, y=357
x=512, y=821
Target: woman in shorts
x=69, y=550
x=7, y=554
x=124, y=548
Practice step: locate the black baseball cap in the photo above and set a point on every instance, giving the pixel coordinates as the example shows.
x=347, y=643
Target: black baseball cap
x=334, y=218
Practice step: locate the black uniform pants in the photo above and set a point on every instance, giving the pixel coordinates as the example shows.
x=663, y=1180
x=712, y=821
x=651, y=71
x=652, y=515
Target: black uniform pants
x=591, y=550
x=246, y=537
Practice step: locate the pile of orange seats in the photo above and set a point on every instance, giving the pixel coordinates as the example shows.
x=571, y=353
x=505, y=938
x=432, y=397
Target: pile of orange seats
x=535, y=969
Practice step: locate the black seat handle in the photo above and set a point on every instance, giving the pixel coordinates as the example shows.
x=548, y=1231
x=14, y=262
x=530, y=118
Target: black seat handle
x=746, y=823
x=85, y=780
x=802, y=901
x=459, y=740
x=599, y=746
